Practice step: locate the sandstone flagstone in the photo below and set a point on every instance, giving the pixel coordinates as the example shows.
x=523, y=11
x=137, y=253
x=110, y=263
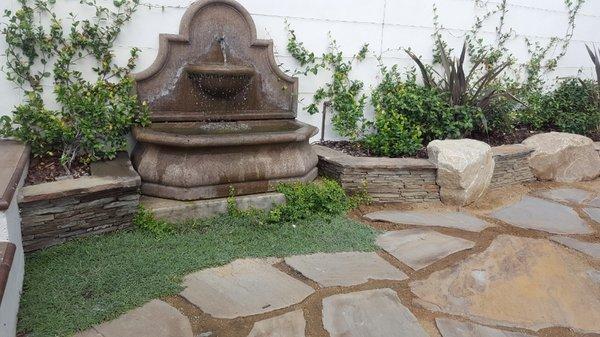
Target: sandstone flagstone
x=453, y=328
x=291, y=324
x=344, y=269
x=589, y=248
x=567, y=195
x=593, y=213
x=243, y=288
x=543, y=215
x=458, y=220
x=372, y=313
x=156, y=318
x=517, y=282
x=419, y=248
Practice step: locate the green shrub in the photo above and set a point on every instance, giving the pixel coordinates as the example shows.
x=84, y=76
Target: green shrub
x=409, y=115
x=324, y=198
x=92, y=116
x=573, y=107
x=145, y=220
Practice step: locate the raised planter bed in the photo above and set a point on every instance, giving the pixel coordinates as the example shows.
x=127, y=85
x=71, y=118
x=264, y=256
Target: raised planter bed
x=412, y=180
x=512, y=165
x=384, y=179
x=58, y=211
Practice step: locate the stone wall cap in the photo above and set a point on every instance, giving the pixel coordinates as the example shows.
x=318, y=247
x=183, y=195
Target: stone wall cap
x=7, y=254
x=346, y=160
x=14, y=157
x=510, y=150
x=325, y=152
x=106, y=175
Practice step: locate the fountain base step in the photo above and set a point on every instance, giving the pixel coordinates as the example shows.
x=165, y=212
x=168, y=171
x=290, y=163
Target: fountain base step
x=218, y=191
x=179, y=211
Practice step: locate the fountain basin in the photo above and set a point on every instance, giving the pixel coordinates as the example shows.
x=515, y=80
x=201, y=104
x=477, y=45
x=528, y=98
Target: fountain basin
x=220, y=80
x=204, y=160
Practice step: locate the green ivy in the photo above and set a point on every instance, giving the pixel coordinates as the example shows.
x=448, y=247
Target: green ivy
x=93, y=116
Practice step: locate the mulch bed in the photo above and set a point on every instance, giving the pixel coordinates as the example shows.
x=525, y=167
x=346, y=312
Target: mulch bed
x=356, y=149
x=47, y=169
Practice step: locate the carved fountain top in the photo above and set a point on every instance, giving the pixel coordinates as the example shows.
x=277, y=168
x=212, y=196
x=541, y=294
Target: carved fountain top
x=216, y=69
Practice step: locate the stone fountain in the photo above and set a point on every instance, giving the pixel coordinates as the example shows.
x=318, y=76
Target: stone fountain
x=223, y=112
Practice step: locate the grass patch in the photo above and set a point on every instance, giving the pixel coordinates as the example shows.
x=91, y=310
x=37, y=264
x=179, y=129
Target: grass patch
x=81, y=283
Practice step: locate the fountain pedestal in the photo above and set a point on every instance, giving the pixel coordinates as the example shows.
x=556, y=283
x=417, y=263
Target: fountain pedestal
x=223, y=112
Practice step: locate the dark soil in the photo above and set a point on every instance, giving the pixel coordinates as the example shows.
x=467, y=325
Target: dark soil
x=46, y=169
x=356, y=149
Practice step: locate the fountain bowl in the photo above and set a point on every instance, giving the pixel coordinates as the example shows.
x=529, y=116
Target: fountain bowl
x=220, y=80
x=205, y=160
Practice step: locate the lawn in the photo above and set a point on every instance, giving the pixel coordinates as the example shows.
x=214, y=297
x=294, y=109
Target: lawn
x=78, y=284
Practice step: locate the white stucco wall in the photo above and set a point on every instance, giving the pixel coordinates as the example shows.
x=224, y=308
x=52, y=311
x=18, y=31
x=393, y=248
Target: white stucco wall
x=386, y=25
x=10, y=230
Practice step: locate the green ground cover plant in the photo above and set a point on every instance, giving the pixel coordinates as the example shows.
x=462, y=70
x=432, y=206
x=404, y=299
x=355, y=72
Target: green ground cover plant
x=81, y=283
x=78, y=284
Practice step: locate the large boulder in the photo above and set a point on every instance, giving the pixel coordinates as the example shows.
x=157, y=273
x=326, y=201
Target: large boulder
x=563, y=157
x=465, y=169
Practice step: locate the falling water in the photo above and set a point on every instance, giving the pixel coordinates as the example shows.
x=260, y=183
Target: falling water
x=221, y=41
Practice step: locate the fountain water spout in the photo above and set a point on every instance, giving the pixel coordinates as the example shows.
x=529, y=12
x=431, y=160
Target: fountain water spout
x=221, y=41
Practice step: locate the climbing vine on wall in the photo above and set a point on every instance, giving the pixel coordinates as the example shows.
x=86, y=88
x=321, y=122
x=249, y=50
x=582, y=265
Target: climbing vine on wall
x=342, y=96
x=94, y=111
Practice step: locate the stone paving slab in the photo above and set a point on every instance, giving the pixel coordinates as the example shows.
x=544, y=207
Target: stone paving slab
x=419, y=248
x=372, y=313
x=243, y=288
x=566, y=195
x=344, y=269
x=593, y=213
x=517, y=282
x=543, y=215
x=291, y=324
x=156, y=319
x=452, y=328
x=447, y=219
x=588, y=248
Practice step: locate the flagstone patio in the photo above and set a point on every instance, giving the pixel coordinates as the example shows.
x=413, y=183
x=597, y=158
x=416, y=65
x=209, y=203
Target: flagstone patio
x=526, y=267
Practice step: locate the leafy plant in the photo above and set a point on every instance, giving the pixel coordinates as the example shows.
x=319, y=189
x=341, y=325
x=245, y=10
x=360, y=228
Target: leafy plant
x=323, y=198
x=573, y=107
x=342, y=96
x=409, y=115
x=93, y=116
x=595, y=56
x=145, y=220
x=464, y=89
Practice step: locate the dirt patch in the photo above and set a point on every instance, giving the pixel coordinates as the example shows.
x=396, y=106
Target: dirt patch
x=357, y=149
x=47, y=169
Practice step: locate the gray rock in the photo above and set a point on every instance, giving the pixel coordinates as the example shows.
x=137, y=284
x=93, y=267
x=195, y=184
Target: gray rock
x=291, y=324
x=243, y=288
x=156, y=319
x=372, y=313
x=344, y=269
x=456, y=220
x=517, y=282
x=589, y=248
x=419, y=248
x=452, y=328
x=567, y=195
x=539, y=214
